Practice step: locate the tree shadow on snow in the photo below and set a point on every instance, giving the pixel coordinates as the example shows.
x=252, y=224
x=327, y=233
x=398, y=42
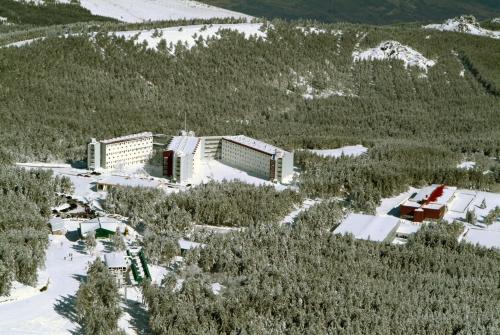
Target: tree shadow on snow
x=139, y=317
x=65, y=306
x=80, y=247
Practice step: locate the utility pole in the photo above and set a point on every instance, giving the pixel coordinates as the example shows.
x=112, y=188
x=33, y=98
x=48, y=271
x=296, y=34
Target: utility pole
x=185, y=122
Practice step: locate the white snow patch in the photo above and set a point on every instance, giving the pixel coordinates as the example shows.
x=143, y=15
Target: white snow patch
x=395, y=50
x=496, y=20
x=466, y=24
x=466, y=165
x=316, y=31
x=189, y=35
x=352, y=151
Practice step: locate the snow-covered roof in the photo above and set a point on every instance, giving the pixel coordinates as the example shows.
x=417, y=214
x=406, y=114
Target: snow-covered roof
x=254, y=144
x=188, y=245
x=183, y=144
x=368, y=227
x=111, y=224
x=107, y=223
x=424, y=194
x=485, y=238
x=408, y=228
x=128, y=137
x=115, y=260
x=56, y=223
x=89, y=226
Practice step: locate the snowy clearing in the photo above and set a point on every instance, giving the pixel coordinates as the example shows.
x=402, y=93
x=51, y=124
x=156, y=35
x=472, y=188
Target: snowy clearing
x=189, y=35
x=395, y=50
x=352, y=151
x=306, y=204
x=136, y=11
x=466, y=25
x=466, y=165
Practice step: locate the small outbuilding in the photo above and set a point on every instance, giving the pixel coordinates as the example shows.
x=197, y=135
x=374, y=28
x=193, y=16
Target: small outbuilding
x=57, y=226
x=186, y=245
x=116, y=262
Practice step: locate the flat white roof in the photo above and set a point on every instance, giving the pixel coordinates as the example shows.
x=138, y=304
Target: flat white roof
x=254, y=144
x=483, y=237
x=115, y=260
x=368, y=227
x=188, y=245
x=183, y=144
x=128, y=137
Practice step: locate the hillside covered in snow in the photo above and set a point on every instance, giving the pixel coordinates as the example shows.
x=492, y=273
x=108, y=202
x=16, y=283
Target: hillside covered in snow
x=395, y=50
x=466, y=25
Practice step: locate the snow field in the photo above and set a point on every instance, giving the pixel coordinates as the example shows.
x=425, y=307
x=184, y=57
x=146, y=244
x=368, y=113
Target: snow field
x=189, y=35
x=136, y=11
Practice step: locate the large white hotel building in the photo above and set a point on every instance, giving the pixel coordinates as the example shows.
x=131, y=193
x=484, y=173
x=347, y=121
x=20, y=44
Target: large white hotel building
x=181, y=159
x=120, y=152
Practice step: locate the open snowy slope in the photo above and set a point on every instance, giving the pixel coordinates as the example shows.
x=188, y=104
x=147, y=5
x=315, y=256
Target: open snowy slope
x=188, y=35
x=395, y=50
x=156, y=10
x=466, y=25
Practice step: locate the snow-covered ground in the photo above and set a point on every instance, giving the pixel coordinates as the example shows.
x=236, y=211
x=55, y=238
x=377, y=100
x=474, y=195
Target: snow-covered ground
x=29, y=311
x=154, y=10
x=189, y=35
x=317, y=31
x=463, y=201
x=213, y=170
x=466, y=165
x=303, y=83
x=51, y=311
x=394, y=50
x=351, y=150
x=466, y=25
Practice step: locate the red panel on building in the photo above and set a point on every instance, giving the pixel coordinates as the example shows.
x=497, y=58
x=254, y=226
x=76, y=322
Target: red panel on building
x=168, y=163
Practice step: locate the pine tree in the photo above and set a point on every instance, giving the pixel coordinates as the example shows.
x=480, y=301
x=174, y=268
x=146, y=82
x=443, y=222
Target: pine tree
x=90, y=241
x=470, y=217
x=117, y=241
x=98, y=301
